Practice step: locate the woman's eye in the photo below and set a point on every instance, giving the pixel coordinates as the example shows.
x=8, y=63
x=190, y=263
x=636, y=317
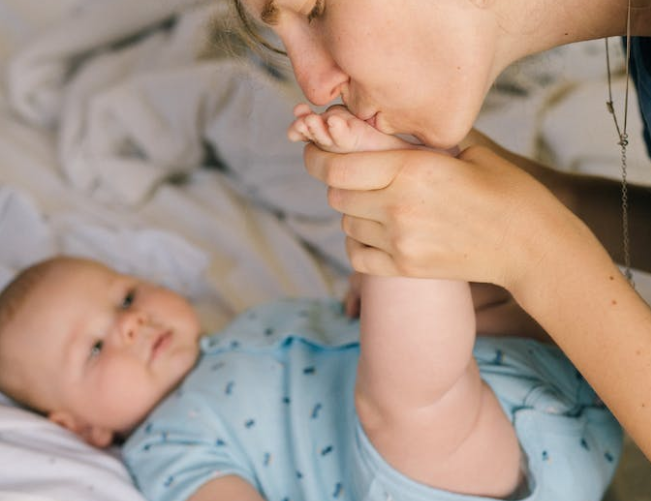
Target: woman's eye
x=128, y=300
x=96, y=349
x=317, y=10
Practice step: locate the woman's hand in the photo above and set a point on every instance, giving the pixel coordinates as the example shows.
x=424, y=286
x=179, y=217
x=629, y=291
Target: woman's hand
x=476, y=217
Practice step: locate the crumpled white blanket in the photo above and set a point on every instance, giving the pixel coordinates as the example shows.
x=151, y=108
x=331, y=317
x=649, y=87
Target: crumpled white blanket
x=128, y=116
x=28, y=236
x=38, y=75
x=132, y=115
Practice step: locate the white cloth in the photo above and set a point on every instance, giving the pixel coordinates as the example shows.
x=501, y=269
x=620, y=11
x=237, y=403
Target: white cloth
x=43, y=462
x=130, y=116
x=25, y=235
x=37, y=75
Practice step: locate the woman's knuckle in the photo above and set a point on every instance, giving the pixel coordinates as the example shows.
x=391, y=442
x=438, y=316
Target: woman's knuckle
x=403, y=247
x=336, y=173
x=405, y=266
x=400, y=213
x=346, y=224
x=334, y=197
x=358, y=260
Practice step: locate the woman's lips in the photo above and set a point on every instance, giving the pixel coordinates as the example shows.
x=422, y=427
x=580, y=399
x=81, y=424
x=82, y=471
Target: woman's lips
x=372, y=121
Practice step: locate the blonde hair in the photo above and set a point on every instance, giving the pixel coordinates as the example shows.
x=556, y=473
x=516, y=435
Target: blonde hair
x=251, y=31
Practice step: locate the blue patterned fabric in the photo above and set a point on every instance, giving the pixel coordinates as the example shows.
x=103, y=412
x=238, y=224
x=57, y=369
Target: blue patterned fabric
x=271, y=400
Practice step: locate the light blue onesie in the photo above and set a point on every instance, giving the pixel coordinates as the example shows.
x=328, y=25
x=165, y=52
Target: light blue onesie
x=271, y=400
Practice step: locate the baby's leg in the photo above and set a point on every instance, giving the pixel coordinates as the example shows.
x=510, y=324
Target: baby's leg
x=419, y=395
x=339, y=131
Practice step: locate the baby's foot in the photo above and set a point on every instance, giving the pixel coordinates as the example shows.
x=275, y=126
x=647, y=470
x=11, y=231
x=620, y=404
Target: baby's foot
x=339, y=131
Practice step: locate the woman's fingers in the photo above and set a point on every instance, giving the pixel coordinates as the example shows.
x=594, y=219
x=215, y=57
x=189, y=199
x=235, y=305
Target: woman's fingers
x=366, y=231
x=370, y=260
x=369, y=205
x=353, y=171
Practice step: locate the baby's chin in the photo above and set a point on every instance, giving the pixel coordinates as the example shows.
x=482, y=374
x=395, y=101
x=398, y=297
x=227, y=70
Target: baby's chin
x=139, y=418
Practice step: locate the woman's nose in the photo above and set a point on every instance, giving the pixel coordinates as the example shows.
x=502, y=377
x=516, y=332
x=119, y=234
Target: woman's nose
x=318, y=75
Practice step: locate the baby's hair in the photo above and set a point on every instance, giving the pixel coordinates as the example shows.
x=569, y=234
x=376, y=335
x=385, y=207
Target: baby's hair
x=14, y=295
x=12, y=299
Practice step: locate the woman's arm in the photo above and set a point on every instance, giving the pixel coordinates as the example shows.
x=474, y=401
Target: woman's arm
x=595, y=200
x=581, y=299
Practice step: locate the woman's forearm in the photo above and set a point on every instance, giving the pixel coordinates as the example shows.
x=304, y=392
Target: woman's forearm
x=596, y=200
x=580, y=298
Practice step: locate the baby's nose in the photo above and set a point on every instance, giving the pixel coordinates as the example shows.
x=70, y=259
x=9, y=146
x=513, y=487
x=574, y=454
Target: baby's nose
x=131, y=324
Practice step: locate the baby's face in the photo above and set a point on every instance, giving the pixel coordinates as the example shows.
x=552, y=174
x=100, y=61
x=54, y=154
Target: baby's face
x=109, y=346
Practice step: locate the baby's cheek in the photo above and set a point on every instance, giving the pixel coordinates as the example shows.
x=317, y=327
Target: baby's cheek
x=122, y=382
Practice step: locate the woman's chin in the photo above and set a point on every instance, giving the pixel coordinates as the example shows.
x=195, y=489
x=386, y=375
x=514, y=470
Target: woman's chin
x=447, y=140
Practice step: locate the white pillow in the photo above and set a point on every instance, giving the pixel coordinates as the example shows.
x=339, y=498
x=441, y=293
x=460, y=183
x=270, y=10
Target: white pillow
x=17, y=496
x=44, y=462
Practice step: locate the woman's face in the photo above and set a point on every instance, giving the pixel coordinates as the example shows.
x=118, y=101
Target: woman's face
x=419, y=67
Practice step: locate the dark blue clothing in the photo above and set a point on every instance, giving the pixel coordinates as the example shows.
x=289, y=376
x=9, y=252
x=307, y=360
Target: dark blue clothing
x=641, y=72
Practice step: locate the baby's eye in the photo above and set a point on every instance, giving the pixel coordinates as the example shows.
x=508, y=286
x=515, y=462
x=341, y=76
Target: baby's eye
x=128, y=300
x=316, y=11
x=96, y=349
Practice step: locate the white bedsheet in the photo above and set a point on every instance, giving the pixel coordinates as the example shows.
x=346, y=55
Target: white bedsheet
x=41, y=461
x=104, y=103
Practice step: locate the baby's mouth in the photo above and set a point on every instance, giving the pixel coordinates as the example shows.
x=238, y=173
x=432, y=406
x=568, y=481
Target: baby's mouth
x=161, y=342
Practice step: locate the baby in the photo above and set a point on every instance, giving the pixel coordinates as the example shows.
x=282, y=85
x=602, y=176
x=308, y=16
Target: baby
x=296, y=401
x=92, y=349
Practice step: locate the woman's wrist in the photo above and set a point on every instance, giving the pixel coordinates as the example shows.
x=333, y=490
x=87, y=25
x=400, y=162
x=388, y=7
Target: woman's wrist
x=561, y=184
x=554, y=263
x=550, y=235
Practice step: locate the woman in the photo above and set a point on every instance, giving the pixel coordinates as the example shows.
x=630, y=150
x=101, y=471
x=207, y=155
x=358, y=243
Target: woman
x=423, y=68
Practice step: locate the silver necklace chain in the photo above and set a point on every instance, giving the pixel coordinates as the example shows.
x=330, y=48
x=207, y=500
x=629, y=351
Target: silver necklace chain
x=623, y=143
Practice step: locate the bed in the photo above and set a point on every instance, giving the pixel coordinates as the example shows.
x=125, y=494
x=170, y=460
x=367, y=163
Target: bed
x=141, y=134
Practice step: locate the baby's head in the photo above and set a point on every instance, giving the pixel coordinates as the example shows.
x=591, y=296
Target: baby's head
x=92, y=349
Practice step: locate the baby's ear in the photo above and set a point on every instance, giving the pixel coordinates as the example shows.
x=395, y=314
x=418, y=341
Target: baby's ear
x=94, y=435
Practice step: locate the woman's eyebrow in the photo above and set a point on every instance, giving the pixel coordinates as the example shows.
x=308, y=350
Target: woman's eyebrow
x=269, y=12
